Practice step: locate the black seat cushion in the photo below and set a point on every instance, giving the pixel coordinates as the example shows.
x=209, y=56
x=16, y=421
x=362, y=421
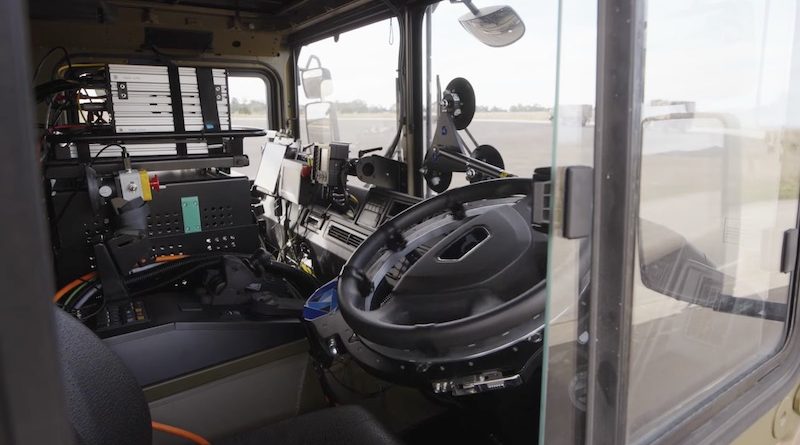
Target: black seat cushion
x=344, y=425
x=105, y=404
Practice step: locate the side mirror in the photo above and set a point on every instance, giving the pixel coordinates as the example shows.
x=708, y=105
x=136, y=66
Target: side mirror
x=321, y=122
x=317, y=84
x=495, y=26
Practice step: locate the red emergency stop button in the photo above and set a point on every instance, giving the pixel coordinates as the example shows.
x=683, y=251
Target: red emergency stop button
x=155, y=185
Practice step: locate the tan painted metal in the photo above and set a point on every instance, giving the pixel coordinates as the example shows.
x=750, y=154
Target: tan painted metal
x=779, y=426
x=129, y=37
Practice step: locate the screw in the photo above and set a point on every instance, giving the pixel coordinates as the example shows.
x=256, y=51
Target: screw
x=132, y=187
x=332, y=347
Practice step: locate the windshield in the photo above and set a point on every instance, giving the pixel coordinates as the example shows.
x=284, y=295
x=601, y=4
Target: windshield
x=513, y=115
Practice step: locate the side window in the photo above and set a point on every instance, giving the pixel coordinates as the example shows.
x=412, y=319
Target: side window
x=720, y=179
x=249, y=97
x=348, y=85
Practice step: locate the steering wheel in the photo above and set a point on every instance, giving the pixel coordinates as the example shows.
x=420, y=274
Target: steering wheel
x=461, y=274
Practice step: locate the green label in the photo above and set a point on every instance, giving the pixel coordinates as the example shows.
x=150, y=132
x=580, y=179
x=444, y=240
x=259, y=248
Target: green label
x=190, y=206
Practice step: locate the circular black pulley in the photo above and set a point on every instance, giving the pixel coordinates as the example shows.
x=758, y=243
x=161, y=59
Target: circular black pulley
x=489, y=155
x=437, y=180
x=465, y=103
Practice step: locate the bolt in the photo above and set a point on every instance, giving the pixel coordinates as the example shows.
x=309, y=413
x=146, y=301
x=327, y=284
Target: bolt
x=435, y=180
x=132, y=187
x=332, y=347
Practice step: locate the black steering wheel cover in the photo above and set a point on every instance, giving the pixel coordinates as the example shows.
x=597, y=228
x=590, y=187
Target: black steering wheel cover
x=354, y=285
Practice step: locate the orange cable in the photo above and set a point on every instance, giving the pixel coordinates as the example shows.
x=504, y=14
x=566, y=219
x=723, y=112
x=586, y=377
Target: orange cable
x=77, y=282
x=72, y=285
x=175, y=431
x=165, y=258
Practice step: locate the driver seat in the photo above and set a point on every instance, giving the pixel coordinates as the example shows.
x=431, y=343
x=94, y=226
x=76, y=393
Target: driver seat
x=107, y=406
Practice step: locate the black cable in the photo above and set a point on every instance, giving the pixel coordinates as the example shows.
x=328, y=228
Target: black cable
x=84, y=318
x=169, y=269
x=296, y=280
x=172, y=279
x=44, y=59
x=124, y=152
x=75, y=192
x=144, y=275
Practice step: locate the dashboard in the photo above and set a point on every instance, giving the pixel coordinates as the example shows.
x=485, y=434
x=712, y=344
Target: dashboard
x=331, y=237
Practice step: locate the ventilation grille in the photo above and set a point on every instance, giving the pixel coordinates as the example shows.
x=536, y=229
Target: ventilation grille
x=96, y=228
x=345, y=236
x=217, y=217
x=167, y=249
x=164, y=224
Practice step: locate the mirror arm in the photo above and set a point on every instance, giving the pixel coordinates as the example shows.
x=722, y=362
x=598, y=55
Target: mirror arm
x=310, y=58
x=472, y=8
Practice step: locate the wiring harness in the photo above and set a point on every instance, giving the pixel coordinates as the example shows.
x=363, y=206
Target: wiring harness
x=83, y=296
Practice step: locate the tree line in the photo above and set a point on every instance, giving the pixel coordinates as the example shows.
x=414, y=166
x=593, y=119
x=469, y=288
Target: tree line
x=359, y=106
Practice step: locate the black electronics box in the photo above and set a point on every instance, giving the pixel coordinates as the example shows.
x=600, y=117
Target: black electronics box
x=187, y=216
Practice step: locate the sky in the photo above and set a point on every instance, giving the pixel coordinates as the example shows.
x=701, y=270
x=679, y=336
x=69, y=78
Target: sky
x=732, y=55
x=363, y=62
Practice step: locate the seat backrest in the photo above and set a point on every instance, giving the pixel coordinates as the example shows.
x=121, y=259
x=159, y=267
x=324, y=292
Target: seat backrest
x=105, y=403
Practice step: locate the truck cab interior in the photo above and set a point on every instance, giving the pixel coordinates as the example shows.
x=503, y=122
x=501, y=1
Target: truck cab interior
x=400, y=222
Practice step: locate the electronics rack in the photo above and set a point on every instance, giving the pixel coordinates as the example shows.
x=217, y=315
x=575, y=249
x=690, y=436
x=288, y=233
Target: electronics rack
x=159, y=133
x=230, y=155
x=222, y=213
x=168, y=117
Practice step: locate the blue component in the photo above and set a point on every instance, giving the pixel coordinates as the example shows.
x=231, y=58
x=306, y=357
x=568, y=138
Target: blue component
x=323, y=302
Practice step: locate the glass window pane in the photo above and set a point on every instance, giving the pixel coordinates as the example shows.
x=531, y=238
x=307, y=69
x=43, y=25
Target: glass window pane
x=348, y=87
x=719, y=186
x=569, y=260
x=249, y=110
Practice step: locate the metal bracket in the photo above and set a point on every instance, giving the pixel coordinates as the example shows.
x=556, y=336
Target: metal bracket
x=578, y=201
x=473, y=384
x=122, y=90
x=789, y=251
